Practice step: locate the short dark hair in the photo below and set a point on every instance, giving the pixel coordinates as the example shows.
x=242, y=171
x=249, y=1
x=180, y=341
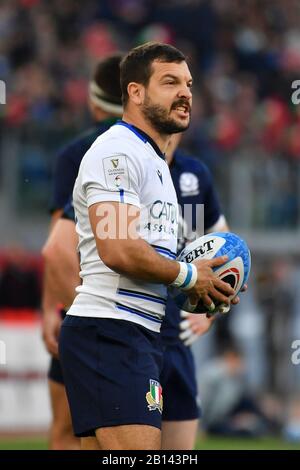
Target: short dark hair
x=107, y=78
x=136, y=65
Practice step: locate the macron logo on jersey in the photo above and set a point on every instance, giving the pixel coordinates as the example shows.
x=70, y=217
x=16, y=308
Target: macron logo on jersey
x=159, y=173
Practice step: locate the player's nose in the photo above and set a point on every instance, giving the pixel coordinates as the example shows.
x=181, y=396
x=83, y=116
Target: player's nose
x=185, y=92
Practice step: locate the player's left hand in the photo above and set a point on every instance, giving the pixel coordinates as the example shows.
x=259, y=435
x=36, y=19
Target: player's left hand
x=193, y=326
x=51, y=323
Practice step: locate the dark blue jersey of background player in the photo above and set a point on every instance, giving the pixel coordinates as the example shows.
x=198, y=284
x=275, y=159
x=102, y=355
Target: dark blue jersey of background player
x=68, y=162
x=193, y=184
x=67, y=166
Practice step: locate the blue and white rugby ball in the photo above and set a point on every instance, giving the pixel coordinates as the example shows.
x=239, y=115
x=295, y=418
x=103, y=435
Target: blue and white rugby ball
x=235, y=271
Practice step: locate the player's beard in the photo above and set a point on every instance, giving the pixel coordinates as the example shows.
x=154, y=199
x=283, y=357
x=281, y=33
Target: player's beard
x=159, y=117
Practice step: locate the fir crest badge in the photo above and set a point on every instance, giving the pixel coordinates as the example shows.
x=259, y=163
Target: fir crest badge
x=154, y=396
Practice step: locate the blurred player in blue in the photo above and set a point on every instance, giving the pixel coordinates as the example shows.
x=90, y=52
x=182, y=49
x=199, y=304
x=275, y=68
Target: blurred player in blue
x=193, y=184
x=105, y=107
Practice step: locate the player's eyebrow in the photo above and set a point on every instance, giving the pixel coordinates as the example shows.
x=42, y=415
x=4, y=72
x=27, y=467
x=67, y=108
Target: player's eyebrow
x=169, y=75
x=174, y=77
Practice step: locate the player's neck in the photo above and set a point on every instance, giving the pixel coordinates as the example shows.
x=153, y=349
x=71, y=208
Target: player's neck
x=161, y=140
x=169, y=157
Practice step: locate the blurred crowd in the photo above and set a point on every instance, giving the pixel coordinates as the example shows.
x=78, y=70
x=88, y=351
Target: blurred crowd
x=244, y=55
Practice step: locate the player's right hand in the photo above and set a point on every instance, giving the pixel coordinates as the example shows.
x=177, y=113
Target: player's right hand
x=193, y=326
x=209, y=287
x=51, y=323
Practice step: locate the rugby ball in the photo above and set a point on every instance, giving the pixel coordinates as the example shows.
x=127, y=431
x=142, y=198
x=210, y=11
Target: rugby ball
x=235, y=271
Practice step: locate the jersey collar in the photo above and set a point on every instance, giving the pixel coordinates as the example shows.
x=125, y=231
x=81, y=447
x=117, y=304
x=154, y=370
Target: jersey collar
x=143, y=136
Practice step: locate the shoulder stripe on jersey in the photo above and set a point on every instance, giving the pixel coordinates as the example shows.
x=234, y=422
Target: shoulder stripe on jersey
x=142, y=295
x=137, y=312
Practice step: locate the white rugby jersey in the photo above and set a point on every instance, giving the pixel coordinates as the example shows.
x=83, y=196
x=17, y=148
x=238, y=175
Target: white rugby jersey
x=124, y=165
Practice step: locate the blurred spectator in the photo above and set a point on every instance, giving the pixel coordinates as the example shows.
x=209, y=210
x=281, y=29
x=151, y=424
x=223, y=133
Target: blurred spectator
x=228, y=407
x=291, y=430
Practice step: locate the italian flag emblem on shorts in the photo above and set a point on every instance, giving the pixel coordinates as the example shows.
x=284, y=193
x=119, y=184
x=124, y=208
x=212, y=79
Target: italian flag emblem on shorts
x=154, y=396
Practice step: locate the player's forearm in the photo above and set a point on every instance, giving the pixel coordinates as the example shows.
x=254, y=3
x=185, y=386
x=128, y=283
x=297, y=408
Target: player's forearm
x=65, y=283
x=61, y=275
x=61, y=262
x=49, y=295
x=50, y=299
x=62, y=278
x=137, y=259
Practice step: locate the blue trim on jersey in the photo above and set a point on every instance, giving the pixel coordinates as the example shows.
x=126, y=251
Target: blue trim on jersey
x=132, y=129
x=165, y=253
x=188, y=276
x=122, y=195
x=137, y=312
x=141, y=295
x=143, y=136
x=162, y=249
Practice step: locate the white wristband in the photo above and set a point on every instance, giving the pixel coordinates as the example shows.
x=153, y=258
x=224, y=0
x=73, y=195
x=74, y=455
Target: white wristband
x=181, y=276
x=187, y=276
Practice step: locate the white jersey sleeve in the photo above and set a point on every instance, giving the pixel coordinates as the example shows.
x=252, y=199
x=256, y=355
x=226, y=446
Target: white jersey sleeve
x=116, y=177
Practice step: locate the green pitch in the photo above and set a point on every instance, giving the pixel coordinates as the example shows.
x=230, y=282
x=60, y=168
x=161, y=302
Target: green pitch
x=269, y=443
x=210, y=443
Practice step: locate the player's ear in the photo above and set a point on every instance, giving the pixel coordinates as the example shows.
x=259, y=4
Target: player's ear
x=135, y=92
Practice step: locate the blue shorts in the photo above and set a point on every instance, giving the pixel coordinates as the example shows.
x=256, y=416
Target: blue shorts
x=111, y=370
x=55, y=372
x=179, y=384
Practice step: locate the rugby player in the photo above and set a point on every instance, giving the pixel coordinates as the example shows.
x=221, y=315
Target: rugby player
x=109, y=341
x=193, y=184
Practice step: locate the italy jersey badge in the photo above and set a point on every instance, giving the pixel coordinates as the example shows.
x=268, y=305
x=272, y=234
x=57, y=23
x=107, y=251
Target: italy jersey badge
x=154, y=396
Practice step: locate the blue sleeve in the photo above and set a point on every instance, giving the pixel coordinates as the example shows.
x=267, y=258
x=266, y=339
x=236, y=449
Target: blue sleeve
x=212, y=209
x=65, y=174
x=69, y=212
